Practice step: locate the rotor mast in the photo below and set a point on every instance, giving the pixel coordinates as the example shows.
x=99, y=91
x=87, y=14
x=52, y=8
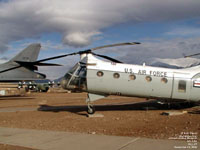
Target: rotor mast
x=83, y=55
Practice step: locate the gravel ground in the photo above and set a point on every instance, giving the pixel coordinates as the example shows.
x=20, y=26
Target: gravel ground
x=11, y=147
x=122, y=116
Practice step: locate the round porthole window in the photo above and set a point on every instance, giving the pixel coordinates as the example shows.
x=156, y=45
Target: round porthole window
x=164, y=80
x=99, y=73
x=116, y=75
x=148, y=78
x=132, y=77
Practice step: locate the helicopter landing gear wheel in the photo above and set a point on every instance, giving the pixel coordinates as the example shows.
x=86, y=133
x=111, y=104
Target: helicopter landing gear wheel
x=91, y=109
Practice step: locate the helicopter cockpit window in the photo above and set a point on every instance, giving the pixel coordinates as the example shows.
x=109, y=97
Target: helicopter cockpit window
x=182, y=86
x=73, y=69
x=76, y=78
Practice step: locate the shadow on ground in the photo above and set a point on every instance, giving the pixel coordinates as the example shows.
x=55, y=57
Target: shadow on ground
x=149, y=105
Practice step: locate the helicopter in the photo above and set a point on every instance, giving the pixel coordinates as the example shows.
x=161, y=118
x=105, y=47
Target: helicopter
x=101, y=78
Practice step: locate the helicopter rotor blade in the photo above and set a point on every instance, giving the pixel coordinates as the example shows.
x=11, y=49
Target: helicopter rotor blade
x=38, y=63
x=35, y=63
x=89, y=51
x=56, y=57
x=46, y=64
x=113, y=45
x=108, y=58
x=2, y=71
x=191, y=55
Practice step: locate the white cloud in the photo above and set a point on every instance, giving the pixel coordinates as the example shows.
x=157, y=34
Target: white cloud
x=156, y=48
x=79, y=39
x=80, y=21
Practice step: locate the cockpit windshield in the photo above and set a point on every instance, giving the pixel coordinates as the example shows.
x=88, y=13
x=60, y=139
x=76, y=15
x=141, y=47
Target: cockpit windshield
x=75, y=79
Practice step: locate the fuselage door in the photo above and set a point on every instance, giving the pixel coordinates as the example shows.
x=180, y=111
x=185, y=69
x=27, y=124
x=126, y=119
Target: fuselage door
x=195, y=88
x=181, y=87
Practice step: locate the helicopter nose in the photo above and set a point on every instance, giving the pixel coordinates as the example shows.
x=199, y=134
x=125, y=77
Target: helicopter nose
x=64, y=83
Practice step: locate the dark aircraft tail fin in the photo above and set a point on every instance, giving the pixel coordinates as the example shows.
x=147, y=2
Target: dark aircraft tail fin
x=27, y=59
x=29, y=54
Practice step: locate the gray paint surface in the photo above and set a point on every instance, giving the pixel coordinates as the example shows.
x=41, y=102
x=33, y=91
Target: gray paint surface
x=21, y=73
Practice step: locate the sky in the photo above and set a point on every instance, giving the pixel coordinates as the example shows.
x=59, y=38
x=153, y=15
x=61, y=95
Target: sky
x=166, y=29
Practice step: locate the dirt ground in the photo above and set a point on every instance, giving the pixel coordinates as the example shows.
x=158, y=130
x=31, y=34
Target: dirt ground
x=10, y=147
x=122, y=116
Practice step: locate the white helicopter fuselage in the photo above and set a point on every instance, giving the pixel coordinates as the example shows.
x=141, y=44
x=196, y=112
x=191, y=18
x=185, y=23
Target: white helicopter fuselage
x=101, y=78
x=108, y=78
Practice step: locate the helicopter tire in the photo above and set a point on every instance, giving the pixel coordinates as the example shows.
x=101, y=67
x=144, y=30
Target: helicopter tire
x=91, y=109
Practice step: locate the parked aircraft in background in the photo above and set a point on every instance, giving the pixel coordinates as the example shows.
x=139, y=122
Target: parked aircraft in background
x=23, y=66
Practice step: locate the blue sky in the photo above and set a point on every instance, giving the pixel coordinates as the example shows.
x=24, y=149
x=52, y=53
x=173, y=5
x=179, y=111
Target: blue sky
x=126, y=32
x=165, y=29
